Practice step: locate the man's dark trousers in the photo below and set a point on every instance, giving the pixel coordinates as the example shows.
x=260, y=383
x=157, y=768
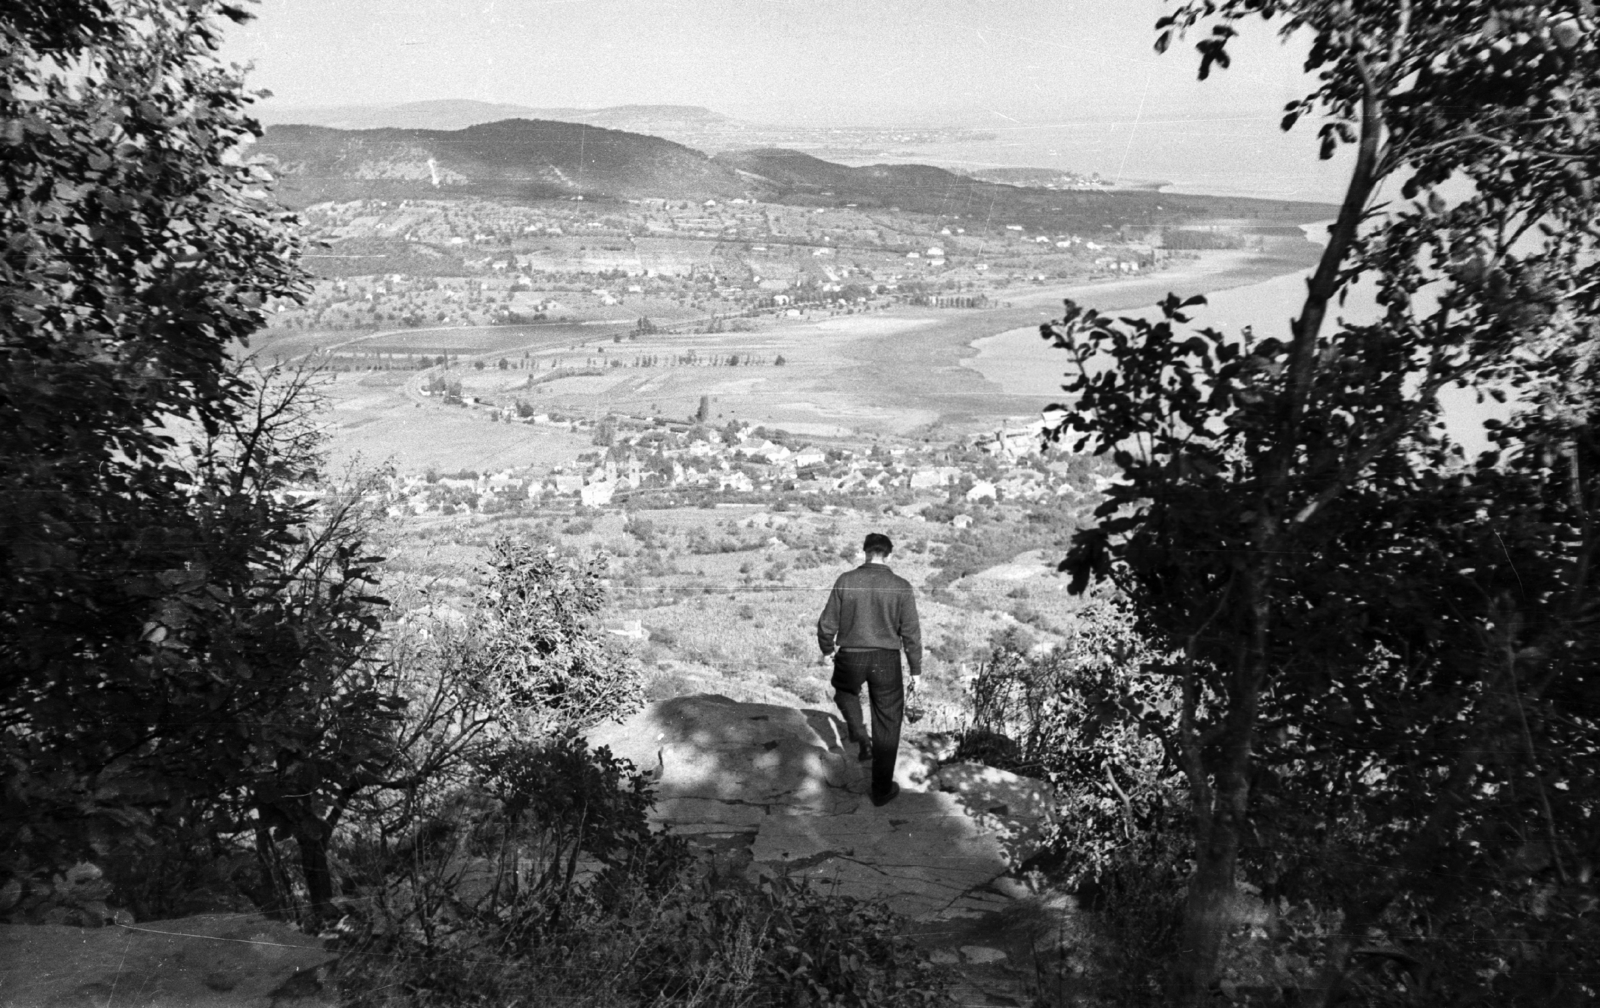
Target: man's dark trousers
x=879, y=668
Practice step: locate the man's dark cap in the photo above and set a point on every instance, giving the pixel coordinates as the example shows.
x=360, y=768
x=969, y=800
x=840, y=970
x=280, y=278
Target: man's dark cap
x=877, y=542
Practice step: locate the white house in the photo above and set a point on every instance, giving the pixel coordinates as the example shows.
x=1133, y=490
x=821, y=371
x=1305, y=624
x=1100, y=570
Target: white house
x=597, y=494
x=632, y=629
x=766, y=449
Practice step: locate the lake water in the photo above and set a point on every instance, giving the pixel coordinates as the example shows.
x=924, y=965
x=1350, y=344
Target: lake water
x=1020, y=361
x=1260, y=161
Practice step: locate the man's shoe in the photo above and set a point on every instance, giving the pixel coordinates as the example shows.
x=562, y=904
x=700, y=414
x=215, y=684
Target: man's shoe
x=884, y=799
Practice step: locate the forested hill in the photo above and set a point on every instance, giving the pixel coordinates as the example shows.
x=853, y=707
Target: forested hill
x=801, y=178
x=534, y=159
x=510, y=159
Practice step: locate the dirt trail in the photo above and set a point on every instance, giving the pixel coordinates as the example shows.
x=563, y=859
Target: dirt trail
x=772, y=789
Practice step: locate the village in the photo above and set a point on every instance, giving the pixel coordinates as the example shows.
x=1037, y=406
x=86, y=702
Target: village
x=475, y=262
x=647, y=462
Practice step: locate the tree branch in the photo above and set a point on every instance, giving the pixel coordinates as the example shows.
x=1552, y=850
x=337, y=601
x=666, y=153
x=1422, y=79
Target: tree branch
x=1324, y=283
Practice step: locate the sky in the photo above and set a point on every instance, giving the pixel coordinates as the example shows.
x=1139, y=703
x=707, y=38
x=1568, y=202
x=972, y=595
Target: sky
x=1044, y=74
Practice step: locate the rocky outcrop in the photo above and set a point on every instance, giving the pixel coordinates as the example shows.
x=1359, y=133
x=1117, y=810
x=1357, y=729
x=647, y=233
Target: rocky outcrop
x=220, y=961
x=75, y=897
x=774, y=789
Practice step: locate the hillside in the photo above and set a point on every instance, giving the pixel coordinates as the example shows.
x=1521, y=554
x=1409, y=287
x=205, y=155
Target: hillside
x=518, y=159
x=800, y=178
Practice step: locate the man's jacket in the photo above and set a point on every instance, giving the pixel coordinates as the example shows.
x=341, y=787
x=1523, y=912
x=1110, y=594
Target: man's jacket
x=872, y=607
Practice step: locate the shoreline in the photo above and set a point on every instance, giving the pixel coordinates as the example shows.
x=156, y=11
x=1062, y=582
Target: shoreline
x=929, y=370
x=1013, y=360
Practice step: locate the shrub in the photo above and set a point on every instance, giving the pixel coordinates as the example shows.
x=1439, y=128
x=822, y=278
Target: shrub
x=940, y=511
x=804, y=686
x=1062, y=715
x=534, y=649
x=542, y=881
x=1031, y=616
x=1118, y=839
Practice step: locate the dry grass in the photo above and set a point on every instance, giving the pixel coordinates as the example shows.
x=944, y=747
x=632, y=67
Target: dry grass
x=742, y=623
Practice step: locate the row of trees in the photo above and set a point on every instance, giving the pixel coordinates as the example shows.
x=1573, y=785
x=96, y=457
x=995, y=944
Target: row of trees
x=1380, y=650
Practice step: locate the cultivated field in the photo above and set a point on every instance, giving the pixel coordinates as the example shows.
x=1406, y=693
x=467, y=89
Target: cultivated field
x=879, y=374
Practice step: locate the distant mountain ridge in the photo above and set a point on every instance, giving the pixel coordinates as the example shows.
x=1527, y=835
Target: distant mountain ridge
x=537, y=159
x=460, y=113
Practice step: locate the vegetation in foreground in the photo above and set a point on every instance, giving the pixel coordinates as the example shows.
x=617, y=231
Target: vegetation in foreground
x=1323, y=737
x=1379, y=649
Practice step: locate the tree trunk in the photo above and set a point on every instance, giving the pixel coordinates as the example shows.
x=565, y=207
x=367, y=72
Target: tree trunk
x=317, y=871
x=1211, y=908
x=274, y=895
x=1208, y=912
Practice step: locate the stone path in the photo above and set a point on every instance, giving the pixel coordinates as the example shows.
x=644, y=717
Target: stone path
x=776, y=789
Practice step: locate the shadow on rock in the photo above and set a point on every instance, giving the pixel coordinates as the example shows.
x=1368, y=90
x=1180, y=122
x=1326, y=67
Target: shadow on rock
x=774, y=790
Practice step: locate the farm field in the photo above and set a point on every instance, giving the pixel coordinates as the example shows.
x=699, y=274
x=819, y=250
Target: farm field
x=898, y=372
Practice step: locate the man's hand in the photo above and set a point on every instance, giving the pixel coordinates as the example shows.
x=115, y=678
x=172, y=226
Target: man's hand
x=911, y=685
x=825, y=657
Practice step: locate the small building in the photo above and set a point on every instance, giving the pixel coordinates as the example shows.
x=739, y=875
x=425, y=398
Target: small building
x=597, y=494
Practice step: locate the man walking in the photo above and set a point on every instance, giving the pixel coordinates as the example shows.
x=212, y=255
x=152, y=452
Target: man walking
x=870, y=618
